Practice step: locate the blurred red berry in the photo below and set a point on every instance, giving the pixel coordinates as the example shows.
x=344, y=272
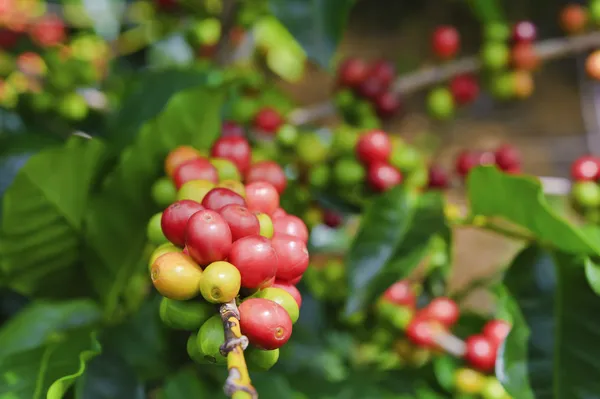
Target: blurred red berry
x=524, y=31
x=438, y=177
x=230, y=128
x=384, y=71
x=268, y=120
x=387, y=104
x=445, y=41
x=586, y=168
x=508, y=157
x=464, y=88
x=352, y=72
x=49, y=30
x=383, y=176
x=332, y=218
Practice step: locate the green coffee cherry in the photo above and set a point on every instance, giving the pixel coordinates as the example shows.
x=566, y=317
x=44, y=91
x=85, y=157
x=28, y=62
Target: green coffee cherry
x=503, y=86
x=586, y=194
x=73, y=106
x=210, y=338
x=164, y=192
x=417, y=178
x=259, y=359
x=194, y=190
x=184, y=315
x=194, y=352
x=345, y=99
x=287, y=136
x=154, y=230
x=310, y=149
x=496, y=31
x=244, y=109
x=226, y=169
x=281, y=297
x=495, y=55
x=345, y=139
x=319, y=176
x=594, y=11
x=406, y=158
x=493, y=389
x=440, y=103
x=348, y=172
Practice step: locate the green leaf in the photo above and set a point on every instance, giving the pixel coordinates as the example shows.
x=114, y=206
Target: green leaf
x=487, y=10
x=393, y=238
x=318, y=25
x=43, y=216
x=560, y=356
x=592, y=272
x=185, y=383
x=520, y=200
x=117, y=218
x=48, y=370
x=445, y=367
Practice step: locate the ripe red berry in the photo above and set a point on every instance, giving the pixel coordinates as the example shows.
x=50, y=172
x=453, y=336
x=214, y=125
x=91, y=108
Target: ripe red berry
x=383, y=176
x=49, y=30
x=466, y=161
x=208, y=237
x=267, y=324
x=291, y=289
x=374, y=146
x=524, y=31
x=267, y=171
x=480, y=352
x=464, y=89
x=292, y=256
x=445, y=41
x=387, y=104
x=573, y=18
x=175, y=218
x=332, y=218
x=352, y=72
x=256, y=259
x=524, y=57
x=262, y=197
x=438, y=177
x=268, y=120
x=496, y=331
x=421, y=331
x=291, y=225
x=218, y=197
x=234, y=148
x=232, y=129
x=508, y=157
x=241, y=221
x=442, y=309
x=195, y=169
x=278, y=213
x=586, y=168
x=166, y=5
x=400, y=293
x=8, y=38
x=371, y=87
x=384, y=71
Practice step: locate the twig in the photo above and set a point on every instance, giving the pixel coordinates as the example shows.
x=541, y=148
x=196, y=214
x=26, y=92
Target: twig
x=238, y=384
x=450, y=343
x=546, y=50
x=228, y=15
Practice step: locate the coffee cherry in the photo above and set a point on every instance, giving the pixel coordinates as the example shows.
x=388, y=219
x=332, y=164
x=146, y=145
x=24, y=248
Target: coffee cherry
x=259, y=359
x=440, y=103
x=265, y=222
x=292, y=256
x=232, y=129
x=405, y=157
x=421, y=331
x=311, y=149
x=154, y=230
x=464, y=89
x=266, y=324
x=195, y=190
x=443, y=310
x=466, y=161
x=332, y=218
x=387, y=104
x=523, y=84
x=262, y=197
x=256, y=259
x=438, y=177
x=384, y=71
x=220, y=282
x=495, y=55
x=383, y=176
x=195, y=169
x=507, y=157
x=48, y=30
x=291, y=289
x=348, y=172
x=226, y=170
x=267, y=171
x=283, y=298
x=241, y=221
x=573, y=18
x=219, y=197
x=291, y=225
x=592, y=64
x=586, y=194
x=594, y=11
x=480, y=352
x=278, y=213
x=400, y=293
x=161, y=250
x=178, y=156
x=233, y=185
x=208, y=237
x=493, y=389
x=234, y=148
x=371, y=88
x=374, y=146
x=163, y=192
x=445, y=42
x=468, y=381
x=524, y=56
x=209, y=340
x=496, y=331
x=176, y=276
x=175, y=218
x=268, y=120
x=184, y=315
x=352, y=72
x=524, y=31
x=586, y=168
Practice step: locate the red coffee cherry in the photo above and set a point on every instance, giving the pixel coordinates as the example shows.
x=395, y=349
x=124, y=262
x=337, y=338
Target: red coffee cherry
x=592, y=65
x=481, y=352
x=374, y=146
x=267, y=171
x=387, y=104
x=332, y=218
x=508, y=157
x=262, y=197
x=383, y=176
x=241, y=221
x=291, y=289
x=573, y=18
x=400, y=293
x=443, y=310
x=195, y=169
x=421, y=331
x=232, y=129
x=438, y=177
x=445, y=41
x=175, y=218
x=268, y=120
x=292, y=256
x=48, y=30
x=371, y=87
x=464, y=89
x=8, y=38
x=524, y=57
x=524, y=31
x=208, y=237
x=383, y=71
x=586, y=168
x=278, y=213
x=291, y=225
x=352, y=72
x=496, y=331
x=256, y=259
x=218, y=197
x=266, y=324
x=234, y=148
x=466, y=161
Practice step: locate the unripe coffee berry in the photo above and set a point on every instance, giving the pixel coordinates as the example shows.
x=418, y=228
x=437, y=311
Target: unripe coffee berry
x=164, y=192
x=220, y=282
x=154, y=230
x=161, y=250
x=195, y=190
x=291, y=289
x=259, y=359
x=265, y=222
x=178, y=156
x=440, y=103
x=256, y=259
x=266, y=323
x=175, y=218
x=176, y=276
x=234, y=185
x=209, y=340
x=184, y=315
x=226, y=170
x=208, y=237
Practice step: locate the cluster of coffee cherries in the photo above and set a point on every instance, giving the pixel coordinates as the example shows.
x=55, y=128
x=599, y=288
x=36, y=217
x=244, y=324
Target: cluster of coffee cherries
x=585, y=190
x=429, y=327
x=224, y=238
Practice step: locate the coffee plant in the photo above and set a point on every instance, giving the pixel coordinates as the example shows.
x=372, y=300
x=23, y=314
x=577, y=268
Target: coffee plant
x=173, y=225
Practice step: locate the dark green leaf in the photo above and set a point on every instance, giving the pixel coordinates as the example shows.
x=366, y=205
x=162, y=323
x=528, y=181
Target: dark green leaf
x=43, y=216
x=560, y=357
x=318, y=25
x=117, y=218
x=487, y=10
x=183, y=384
x=520, y=200
x=49, y=370
x=393, y=238
x=445, y=367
